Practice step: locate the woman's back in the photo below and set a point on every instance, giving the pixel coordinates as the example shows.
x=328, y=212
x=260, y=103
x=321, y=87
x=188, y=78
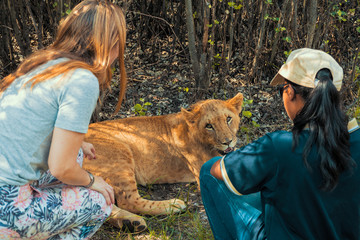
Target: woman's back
x=296, y=207
x=32, y=113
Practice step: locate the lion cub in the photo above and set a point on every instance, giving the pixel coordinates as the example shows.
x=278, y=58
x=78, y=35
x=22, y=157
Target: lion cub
x=160, y=149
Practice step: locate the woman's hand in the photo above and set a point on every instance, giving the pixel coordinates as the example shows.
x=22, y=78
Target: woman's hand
x=105, y=189
x=89, y=150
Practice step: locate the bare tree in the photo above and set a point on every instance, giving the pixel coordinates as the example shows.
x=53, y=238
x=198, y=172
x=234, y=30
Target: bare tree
x=312, y=17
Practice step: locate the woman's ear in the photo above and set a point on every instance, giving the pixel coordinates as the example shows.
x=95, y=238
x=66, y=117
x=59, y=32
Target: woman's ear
x=290, y=92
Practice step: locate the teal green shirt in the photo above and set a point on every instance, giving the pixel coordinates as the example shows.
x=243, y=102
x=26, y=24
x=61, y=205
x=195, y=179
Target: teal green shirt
x=293, y=205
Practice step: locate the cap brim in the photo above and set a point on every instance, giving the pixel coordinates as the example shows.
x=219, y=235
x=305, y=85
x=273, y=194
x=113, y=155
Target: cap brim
x=278, y=79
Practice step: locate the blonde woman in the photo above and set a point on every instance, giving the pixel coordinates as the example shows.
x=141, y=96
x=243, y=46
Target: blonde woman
x=45, y=109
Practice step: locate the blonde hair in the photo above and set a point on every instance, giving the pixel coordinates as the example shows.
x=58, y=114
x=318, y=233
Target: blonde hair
x=86, y=37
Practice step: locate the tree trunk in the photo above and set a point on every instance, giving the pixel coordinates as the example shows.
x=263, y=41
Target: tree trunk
x=263, y=10
x=312, y=11
x=36, y=26
x=192, y=43
x=278, y=33
x=294, y=13
x=15, y=28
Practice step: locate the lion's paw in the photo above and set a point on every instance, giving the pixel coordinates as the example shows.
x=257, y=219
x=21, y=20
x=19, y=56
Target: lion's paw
x=175, y=205
x=127, y=221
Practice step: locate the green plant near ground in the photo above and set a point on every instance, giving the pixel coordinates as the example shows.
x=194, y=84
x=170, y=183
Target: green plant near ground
x=141, y=109
x=250, y=123
x=189, y=225
x=183, y=89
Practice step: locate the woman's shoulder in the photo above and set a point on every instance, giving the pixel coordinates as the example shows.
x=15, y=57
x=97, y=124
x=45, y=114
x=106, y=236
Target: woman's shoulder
x=77, y=73
x=81, y=77
x=82, y=74
x=280, y=135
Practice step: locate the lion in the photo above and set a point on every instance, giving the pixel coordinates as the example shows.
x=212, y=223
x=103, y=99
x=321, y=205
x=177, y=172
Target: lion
x=160, y=149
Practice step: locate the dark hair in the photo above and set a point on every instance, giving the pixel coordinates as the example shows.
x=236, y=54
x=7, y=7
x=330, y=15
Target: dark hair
x=328, y=128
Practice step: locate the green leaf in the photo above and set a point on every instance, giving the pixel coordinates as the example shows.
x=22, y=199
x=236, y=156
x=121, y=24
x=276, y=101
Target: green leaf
x=231, y=4
x=358, y=29
x=255, y=124
x=238, y=7
x=142, y=100
x=147, y=104
x=247, y=114
x=247, y=102
x=137, y=107
x=216, y=21
x=244, y=129
x=217, y=56
x=287, y=39
x=68, y=11
x=287, y=53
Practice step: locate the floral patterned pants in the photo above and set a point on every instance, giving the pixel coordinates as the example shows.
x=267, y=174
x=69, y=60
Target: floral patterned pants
x=49, y=209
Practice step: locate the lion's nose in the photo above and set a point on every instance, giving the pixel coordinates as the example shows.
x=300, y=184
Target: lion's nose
x=227, y=142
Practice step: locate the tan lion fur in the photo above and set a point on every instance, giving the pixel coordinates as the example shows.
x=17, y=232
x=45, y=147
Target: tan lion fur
x=160, y=149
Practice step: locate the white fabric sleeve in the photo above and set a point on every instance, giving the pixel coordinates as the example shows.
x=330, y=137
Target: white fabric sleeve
x=226, y=178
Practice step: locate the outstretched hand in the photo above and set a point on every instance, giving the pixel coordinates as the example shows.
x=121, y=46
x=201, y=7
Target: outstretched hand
x=89, y=150
x=104, y=188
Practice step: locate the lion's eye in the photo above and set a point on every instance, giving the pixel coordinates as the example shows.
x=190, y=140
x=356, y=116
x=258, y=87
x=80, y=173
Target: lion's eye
x=209, y=126
x=228, y=120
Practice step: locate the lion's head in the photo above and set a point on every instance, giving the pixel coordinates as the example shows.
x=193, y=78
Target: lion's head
x=215, y=122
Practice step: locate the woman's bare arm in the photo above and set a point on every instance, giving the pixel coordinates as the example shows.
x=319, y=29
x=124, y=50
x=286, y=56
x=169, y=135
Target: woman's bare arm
x=216, y=170
x=64, y=148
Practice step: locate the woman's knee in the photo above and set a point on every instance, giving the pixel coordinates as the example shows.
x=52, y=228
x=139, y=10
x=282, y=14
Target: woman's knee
x=99, y=200
x=84, y=200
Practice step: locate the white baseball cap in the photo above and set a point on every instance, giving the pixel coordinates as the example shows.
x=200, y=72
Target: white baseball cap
x=303, y=64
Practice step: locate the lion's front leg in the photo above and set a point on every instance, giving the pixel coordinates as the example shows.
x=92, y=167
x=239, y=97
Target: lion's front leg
x=126, y=221
x=127, y=197
x=195, y=162
x=117, y=166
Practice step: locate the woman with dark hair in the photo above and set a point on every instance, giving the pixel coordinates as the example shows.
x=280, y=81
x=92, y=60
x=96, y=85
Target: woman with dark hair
x=45, y=109
x=301, y=184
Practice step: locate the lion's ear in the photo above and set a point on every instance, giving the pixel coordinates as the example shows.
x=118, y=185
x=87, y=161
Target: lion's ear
x=236, y=102
x=188, y=115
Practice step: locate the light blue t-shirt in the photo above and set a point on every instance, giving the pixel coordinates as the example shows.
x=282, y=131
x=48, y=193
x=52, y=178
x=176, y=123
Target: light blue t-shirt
x=28, y=117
